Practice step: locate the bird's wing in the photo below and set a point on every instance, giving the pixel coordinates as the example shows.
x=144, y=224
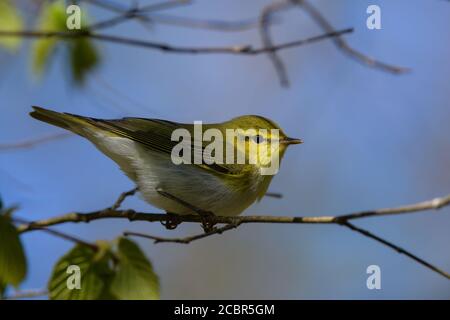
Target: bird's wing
x=156, y=135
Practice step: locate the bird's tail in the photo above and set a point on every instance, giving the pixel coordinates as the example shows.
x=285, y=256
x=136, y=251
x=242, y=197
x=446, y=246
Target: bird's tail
x=71, y=122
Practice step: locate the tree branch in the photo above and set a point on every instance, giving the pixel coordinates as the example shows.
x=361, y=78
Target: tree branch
x=131, y=215
x=185, y=240
x=265, y=17
x=234, y=222
x=146, y=15
x=396, y=248
x=60, y=234
x=122, y=198
x=341, y=44
x=117, y=7
x=207, y=24
x=33, y=142
x=239, y=49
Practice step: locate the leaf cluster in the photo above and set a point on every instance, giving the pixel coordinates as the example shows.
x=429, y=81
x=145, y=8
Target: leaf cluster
x=80, y=53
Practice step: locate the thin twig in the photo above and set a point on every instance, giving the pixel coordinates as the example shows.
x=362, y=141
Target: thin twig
x=138, y=13
x=347, y=224
x=76, y=217
x=185, y=240
x=146, y=14
x=122, y=198
x=33, y=142
x=341, y=44
x=208, y=24
x=435, y=204
x=274, y=195
x=233, y=222
x=396, y=248
x=239, y=49
x=108, y=23
x=108, y=5
x=59, y=234
x=265, y=17
x=117, y=7
x=169, y=4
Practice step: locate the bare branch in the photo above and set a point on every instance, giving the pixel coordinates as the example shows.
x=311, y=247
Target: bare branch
x=233, y=222
x=60, y=234
x=239, y=49
x=163, y=5
x=146, y=14
x=76, y=217
x=435, y=204
x=396, y=248
x=122, y=198
x=341, y=44
x=208, y=24
x=266, y=14
x=274, y=195
x=119, y=8
x=127, y=15
x=185, y=240
x=33, y=142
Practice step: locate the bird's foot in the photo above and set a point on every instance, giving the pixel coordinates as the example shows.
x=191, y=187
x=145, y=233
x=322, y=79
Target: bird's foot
x=208, y=220
x=172, y=221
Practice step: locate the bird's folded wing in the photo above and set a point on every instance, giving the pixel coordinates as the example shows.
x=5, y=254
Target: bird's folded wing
x=156, y=135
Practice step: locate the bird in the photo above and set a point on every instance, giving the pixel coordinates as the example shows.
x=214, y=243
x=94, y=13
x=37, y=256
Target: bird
x=143, y=149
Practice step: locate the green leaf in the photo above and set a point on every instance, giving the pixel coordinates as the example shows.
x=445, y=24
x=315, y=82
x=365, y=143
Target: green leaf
x=51, y=18
x=95, y=274
x=13, y=265
x=10, y=20
x=134, y=278
x=82, y=54
x=84, y=57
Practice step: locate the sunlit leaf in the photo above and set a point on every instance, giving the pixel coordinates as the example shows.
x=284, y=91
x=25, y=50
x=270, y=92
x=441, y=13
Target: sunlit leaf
x=82, y=53
x=95, y=274
x=51, y=18
x=134, y=278
x=10, y=20
x=84, y=57
x=13, y=266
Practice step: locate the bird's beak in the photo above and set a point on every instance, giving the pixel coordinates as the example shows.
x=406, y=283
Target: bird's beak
x=288, y=141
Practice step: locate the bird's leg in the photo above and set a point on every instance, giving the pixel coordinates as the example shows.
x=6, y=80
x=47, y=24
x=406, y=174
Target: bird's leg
x=172, y=221
x=208, y=218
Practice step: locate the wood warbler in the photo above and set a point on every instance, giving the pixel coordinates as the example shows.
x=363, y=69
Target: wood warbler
x=219, y=183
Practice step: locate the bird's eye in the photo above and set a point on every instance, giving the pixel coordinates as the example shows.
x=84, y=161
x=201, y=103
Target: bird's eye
x=258, y=138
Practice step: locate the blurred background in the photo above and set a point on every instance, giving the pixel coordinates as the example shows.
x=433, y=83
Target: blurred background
x=372, y=140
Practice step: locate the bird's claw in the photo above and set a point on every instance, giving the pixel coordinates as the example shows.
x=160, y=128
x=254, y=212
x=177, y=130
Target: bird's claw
x=171, y=222
x=208, y=221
